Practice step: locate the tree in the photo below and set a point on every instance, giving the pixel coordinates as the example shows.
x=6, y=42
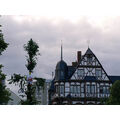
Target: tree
x=4, y=94
x=25, y=82
x=3, y=44
x=32, y=50
x=114, y=98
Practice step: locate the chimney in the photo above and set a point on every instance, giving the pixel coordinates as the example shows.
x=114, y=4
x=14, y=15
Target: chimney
x=78, y=56
x=74, y=64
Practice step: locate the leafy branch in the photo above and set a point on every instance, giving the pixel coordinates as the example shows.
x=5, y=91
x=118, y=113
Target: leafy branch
x=25, y=82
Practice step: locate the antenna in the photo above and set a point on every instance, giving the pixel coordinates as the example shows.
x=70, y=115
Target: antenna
x=52, y=75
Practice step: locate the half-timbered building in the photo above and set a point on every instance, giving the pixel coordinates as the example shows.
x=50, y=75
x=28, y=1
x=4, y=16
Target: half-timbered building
x=84, y=82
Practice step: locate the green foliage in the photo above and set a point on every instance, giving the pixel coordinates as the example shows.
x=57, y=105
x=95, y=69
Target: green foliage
x=4, y=95
x=31, y=95
x=3, y=44
x=18, y=79
x=40, y=82
x=28, y=102
x=32, y=50
x=28, y=89
x=15, y=78
x=103, y=101
x=114, y=98
x=2, y=75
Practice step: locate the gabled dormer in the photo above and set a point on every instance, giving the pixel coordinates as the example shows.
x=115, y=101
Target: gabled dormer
x=89, y=67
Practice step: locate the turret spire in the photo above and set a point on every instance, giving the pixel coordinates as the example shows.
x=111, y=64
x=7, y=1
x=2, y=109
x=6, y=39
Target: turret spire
x=61, y=51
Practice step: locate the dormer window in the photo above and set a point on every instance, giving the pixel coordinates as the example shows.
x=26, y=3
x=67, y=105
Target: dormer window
x=89, y=59
x=98, y=72
x=80, y=73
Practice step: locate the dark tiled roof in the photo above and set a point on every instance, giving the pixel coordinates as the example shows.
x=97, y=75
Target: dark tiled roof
x=61, y=65
x=71, y=70
x=52, y=85
x=114, y=78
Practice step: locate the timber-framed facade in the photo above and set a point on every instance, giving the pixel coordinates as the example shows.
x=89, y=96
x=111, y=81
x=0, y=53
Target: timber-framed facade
x=85, y=82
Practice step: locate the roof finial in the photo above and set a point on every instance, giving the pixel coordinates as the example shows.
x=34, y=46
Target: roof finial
x=88, y=42
x=61, y=51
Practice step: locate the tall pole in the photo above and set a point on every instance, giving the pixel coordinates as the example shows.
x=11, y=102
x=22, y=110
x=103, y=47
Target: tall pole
x=29, y=95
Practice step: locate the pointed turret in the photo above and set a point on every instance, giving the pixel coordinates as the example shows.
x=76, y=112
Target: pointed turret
x=61, y=68
x=61, y=52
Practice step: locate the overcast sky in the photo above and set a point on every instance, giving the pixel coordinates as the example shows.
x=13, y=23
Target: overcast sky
x=72, y=21
x=103, y=33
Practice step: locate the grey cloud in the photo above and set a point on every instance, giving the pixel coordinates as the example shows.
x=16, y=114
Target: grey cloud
x=104, y=43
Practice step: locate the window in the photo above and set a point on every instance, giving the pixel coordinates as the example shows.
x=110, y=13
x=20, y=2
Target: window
x=88, y=88
x=75, y=90
x=82, y=89
x=80, y=72
x=61, y=89
x=78, y=89
x=89, y=59
x=67, y=90
x=101, y=90
x=104, y=90
x=93, y=89
x=107, y=90
x=71, y=89
x=98, y=72
x=56, y=88
x=67, y=84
